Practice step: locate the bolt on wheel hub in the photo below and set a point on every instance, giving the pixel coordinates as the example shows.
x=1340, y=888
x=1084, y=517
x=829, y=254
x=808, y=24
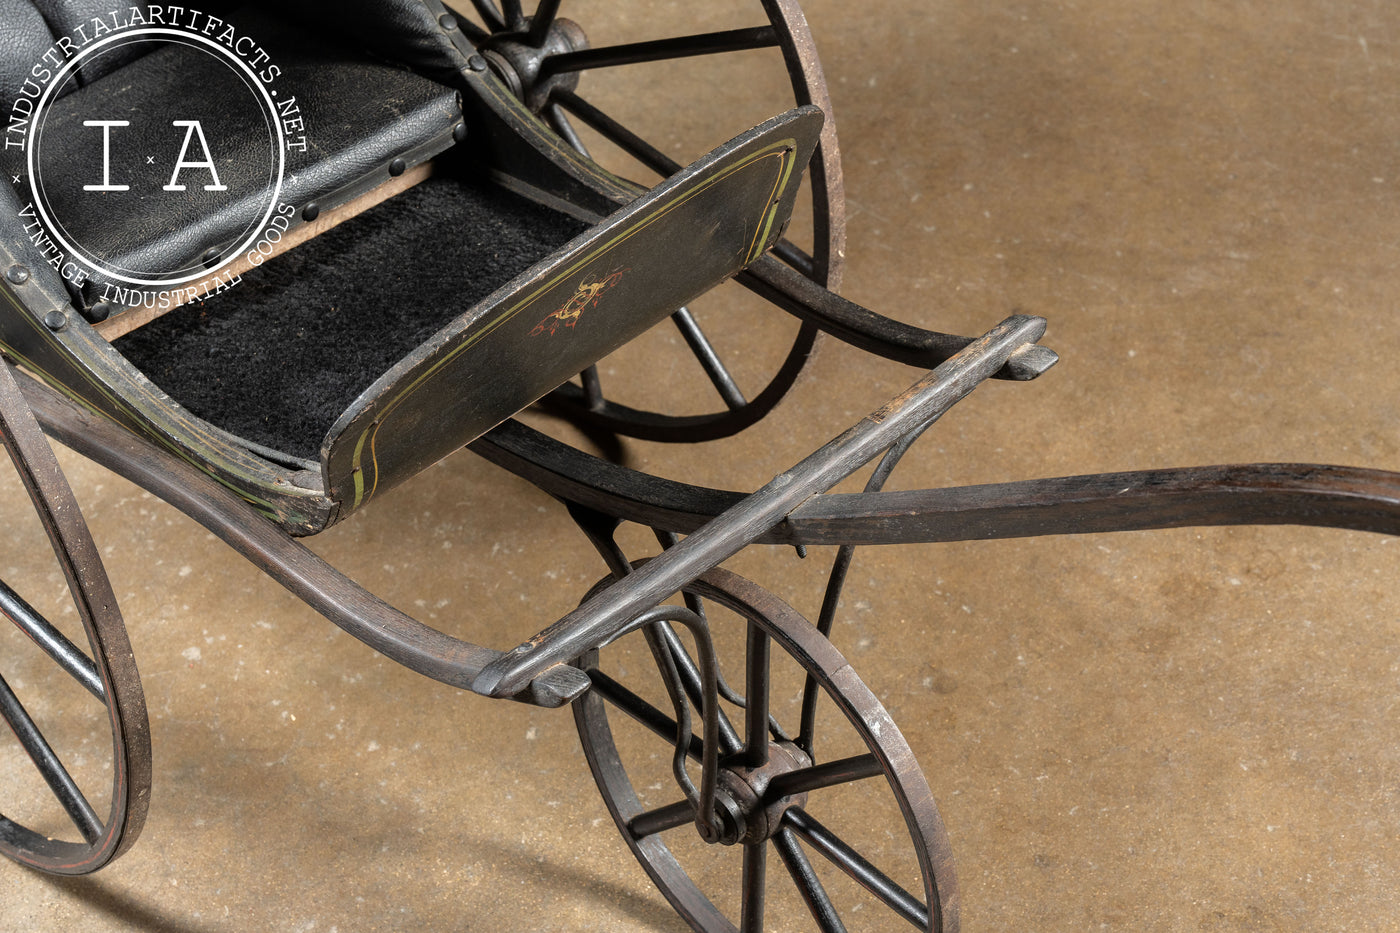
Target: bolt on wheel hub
x=522, y=65
x=745, y=816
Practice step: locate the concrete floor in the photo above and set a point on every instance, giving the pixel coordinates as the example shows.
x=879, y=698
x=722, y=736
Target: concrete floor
x=1185, y=730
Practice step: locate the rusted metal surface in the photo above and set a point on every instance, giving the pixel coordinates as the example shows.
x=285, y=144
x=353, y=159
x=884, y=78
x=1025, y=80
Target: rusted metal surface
x=828, y=184
x=109, y=673
x=761, y=782
x=609, y=612
x=351, y=607
x=451, y=660
x=773, y=791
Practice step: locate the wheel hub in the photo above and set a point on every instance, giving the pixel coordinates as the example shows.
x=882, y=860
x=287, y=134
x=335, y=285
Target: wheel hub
x=518, y=63
x=745, y=816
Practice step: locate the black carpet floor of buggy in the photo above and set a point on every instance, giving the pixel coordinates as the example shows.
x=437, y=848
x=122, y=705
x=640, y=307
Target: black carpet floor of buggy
x=279, y=357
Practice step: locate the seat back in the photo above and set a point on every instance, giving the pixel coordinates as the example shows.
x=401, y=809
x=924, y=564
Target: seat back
x=44, y=33
x=290, y=124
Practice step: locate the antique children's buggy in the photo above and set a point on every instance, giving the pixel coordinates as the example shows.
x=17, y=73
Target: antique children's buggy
x=288, y=410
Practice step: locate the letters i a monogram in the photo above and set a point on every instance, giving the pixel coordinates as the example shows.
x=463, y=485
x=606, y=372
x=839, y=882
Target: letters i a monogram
x=192, y=129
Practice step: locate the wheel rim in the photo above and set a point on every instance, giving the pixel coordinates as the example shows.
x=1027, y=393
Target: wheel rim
x=794, y=842
x=54, y=759
x=523, y=50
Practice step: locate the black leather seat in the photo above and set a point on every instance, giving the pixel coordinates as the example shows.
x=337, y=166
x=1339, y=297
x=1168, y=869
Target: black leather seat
x=353, y=122
x=32, y=27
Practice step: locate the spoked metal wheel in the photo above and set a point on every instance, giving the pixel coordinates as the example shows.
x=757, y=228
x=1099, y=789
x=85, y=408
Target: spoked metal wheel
x=582, y=75
x=823, y=819
x=80, y=741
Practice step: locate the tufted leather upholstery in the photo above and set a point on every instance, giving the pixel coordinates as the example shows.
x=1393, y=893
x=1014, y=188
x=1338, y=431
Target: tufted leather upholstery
x=418, y=34
x=28, y=28
x=24, y=37
x=64, y=16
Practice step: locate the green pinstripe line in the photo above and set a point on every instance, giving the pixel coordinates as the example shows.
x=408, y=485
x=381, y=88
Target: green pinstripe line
x=551, y=140
x=72, y=395
x=121, y=407
x=779, y=185
x=358, y=473
x=261, y=505
x=781, y=148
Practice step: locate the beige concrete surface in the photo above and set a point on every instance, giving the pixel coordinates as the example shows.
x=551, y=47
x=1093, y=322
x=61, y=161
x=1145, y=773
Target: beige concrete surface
x=1185, y=730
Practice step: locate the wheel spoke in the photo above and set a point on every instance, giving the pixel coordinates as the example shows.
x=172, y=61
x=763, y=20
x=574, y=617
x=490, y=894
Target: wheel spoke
x=755, y=869
x=640, y=710
x=808, y=884
x=55, y=644
x=779, y=30
x=94, y=841
x=680, y=813
x=653, y=831
x=50, y=767
x=756, y=692
x=830, y=774
x=630, y=142
x=840, y=854
x=513, y=15
x=560, y=122
x=795, y=256
x=709, y=360
x=542, y=20
x=592, y=388
x=486, y=9
x=710, y=43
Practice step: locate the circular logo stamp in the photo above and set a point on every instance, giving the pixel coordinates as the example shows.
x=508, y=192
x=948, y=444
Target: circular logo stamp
x=154, y=145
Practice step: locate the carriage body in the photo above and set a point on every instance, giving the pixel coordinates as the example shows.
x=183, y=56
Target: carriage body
x=390, y=349
x=446, y=254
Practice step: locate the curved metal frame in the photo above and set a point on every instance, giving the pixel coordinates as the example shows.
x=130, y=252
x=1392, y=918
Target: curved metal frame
x=109, y=674
x=1304, y=494
x=542, y=678
x=1259, y=493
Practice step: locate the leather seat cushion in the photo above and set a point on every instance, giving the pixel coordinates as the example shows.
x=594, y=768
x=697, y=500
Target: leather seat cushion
x=357, y=115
